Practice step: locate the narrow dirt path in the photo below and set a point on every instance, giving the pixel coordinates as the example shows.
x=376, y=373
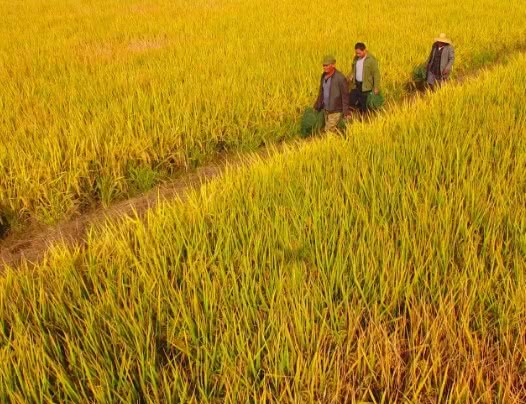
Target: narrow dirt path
x=32, y=243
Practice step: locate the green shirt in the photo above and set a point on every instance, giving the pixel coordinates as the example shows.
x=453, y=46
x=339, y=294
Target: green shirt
x=371, y=73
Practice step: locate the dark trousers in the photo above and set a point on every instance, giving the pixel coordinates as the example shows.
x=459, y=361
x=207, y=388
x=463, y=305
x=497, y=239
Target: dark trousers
x=358, y=98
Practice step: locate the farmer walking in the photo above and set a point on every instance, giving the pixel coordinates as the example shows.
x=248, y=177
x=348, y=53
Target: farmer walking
x=333, y=97
x=364, y=78
x=440, y=61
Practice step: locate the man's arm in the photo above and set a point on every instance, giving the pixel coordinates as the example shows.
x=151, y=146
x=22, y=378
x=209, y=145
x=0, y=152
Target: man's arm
x=376, y=77
x=317, y=103
x=344, y=89
x=350, y=77
x=451, y=60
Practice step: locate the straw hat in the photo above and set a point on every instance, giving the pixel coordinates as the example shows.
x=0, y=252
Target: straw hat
x=443, y=38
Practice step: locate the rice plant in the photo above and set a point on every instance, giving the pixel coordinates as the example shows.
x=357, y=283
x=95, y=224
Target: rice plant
x=92, y=88
x=384, y=266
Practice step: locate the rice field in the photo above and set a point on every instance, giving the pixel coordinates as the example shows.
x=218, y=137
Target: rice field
x=103, y=99
x=387, y=265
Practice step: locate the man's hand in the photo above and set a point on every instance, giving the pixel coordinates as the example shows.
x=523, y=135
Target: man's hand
x=376, y=91
x=350, y=78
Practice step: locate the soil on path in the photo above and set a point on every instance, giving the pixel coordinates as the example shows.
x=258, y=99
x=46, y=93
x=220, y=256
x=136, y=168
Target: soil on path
x=32, y=243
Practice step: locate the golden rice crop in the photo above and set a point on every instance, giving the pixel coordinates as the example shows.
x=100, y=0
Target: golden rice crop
x=103, y=98
x=388, y=266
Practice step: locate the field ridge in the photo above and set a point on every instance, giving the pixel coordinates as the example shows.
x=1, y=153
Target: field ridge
x=387, y=265
x=31, y=243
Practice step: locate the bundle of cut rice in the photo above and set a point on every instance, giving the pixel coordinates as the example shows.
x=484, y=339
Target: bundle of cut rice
x=311, y=122
x=375, y=101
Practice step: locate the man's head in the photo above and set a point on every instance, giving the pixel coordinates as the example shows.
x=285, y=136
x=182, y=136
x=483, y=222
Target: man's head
x=329, y=63
x=360, y=49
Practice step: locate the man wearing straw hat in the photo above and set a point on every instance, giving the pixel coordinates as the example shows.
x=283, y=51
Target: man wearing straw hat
x=440, y=61
x=333, y=95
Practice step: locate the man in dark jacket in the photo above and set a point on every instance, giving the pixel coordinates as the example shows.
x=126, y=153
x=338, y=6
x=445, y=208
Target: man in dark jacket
x=364, y=78
x=333, y=97
x=440, y=61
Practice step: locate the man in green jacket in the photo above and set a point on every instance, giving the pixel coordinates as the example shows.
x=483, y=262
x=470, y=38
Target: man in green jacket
x=365, y=77
x=333, y=95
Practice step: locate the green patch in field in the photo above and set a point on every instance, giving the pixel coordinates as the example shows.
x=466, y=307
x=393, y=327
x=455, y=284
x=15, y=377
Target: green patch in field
x=483, y=59
x=107, y=189
x=142, y=178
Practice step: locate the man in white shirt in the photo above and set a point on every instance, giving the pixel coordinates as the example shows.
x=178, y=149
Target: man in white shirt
x=364, y=79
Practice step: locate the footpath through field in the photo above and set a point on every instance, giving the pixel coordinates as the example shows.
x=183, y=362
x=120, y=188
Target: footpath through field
x=31, y=244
